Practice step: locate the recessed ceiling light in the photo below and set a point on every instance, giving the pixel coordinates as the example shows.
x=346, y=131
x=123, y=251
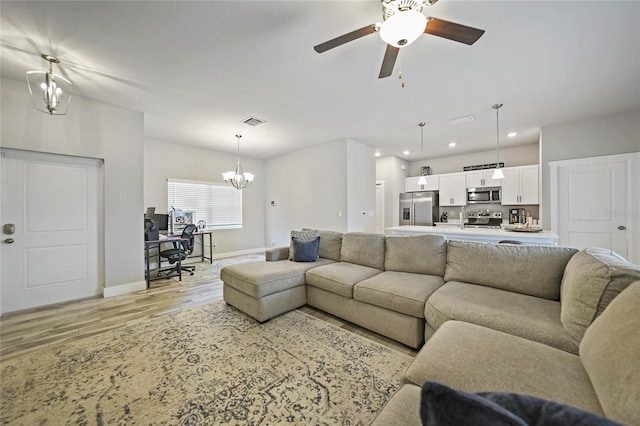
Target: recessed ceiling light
x=452, y=144
x=406, y=152
x=377, y=154
x=512, y=134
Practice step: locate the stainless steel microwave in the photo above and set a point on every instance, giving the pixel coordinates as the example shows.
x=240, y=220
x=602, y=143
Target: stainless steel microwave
x=486, y=195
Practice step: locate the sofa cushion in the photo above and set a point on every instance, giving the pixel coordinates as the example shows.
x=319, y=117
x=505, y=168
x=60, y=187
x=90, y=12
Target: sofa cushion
x=305, y=250
x=592, y=278
x=363, y=249
x=421, y=254
x=330, y=244
x=442, y=405
x=401, y=409
x=259, y=279
x=529, y=317
x=304, y=235
x=532, y=270
x=398, y=291
x=339, y=277
x=610, y=353
x=477, y=359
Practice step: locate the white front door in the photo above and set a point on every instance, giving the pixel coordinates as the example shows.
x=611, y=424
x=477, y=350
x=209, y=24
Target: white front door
x=589, y=203
x=54, y=254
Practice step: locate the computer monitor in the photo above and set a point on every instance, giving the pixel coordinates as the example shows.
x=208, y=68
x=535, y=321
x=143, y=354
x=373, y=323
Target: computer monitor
x=149, y=213
x=162, y=220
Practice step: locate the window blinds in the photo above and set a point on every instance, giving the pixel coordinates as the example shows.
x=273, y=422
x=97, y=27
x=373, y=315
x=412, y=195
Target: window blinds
x=217, y=204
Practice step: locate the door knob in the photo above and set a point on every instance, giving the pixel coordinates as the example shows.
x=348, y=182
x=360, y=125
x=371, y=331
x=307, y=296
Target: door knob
x=9, y=240
x=622, y=228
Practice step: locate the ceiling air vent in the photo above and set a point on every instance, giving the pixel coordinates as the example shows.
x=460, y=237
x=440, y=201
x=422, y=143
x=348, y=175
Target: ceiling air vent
x=460, y=120
x=253, y=121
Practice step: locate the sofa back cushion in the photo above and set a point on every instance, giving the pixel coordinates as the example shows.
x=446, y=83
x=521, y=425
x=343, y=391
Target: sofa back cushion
x=609, y=353
x=364, y=249
x=330, y=244
x=591, y=280
x=420, y=254
x=533, y=270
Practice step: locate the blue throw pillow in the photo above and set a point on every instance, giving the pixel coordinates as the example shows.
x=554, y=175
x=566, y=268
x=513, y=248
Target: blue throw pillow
x=305, y=250
x=443, y=406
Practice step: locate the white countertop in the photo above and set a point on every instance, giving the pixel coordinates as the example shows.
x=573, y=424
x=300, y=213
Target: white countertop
x=478, y=234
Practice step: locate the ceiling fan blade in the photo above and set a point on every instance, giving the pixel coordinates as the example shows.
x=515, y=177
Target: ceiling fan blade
x=389, y=61
x=345, y=38
x=453, y=31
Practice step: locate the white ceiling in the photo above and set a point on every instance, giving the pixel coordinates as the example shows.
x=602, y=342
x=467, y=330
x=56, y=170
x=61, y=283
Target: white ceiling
x=196, y=69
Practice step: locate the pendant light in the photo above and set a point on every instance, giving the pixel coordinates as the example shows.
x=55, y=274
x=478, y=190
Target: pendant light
x=237, y=178
x=50, y=93
x=497, y=173
x=423, y=179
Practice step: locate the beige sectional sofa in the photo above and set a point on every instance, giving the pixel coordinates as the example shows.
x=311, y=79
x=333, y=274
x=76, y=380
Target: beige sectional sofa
x=504, y=317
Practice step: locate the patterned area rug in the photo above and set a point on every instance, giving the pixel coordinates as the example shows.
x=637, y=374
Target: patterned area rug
x=207, y=365
x=206, y=272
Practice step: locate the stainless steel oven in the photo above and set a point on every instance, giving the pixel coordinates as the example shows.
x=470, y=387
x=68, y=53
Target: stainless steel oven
x=487, y=195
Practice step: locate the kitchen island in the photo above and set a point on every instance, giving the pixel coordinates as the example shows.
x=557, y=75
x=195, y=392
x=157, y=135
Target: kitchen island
x=546, y=238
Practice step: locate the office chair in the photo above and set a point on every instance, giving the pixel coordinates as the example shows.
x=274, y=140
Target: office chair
x=172, y=255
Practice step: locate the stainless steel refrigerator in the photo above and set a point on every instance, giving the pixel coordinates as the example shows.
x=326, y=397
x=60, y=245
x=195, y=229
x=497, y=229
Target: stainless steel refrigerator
x=419, y=208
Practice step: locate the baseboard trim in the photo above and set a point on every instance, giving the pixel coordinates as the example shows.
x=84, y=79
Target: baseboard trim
x=238, y=253
x=124, y=289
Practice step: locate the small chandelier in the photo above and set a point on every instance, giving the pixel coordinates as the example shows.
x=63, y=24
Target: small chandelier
x=50, y=93
x=238, y=179
x=497, y=173
x=423, y=179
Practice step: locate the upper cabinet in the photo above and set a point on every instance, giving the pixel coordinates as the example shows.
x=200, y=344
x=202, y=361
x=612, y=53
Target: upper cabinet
x=520, y=185
x=480, y=178
x=411, y=184
x=453, y=189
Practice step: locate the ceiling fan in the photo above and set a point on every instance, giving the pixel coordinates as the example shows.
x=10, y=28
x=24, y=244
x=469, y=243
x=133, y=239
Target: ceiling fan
x=403, y=23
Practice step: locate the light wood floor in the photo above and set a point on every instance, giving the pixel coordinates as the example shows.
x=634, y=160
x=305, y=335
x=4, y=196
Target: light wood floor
x=38, y=328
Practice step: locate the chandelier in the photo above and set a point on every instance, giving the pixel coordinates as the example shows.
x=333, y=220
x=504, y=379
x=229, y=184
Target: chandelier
x=50, y=93
x=237, y=178
x=497, y=173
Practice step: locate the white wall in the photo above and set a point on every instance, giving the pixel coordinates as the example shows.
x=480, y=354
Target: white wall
x=514, y=156
x=311, y=187
x=96, y=130
x=390, y=171
x=608, y=135
x=361, y=187
x=163, y=160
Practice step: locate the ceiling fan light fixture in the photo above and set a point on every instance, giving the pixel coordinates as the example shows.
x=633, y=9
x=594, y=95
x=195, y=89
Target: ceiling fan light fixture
x=403, y=28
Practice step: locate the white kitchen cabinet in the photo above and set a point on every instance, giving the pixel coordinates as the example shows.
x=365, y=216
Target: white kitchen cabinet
x=433, y=184
x=520, y=185
x=480, y=178
x=453, y=189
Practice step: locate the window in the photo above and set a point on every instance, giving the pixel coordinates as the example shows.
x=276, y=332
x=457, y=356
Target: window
x=217, y=204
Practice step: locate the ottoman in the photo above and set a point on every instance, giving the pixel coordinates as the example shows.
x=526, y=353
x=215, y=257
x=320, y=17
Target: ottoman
x=264, y=290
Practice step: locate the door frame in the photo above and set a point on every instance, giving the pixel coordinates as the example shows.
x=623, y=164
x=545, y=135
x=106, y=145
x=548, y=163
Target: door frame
x=381, y=193
x=632, y=161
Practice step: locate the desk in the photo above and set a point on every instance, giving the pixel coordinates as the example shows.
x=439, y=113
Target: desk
x=162, y=239
x=170, y=239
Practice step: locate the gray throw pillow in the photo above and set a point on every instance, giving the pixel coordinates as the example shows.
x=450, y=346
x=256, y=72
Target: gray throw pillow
x=443, y=406
x=304, y=235
x=305, y=250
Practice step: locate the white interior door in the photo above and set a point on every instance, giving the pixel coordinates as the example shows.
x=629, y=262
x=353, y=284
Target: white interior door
x=591, y=202
x=55, y=206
